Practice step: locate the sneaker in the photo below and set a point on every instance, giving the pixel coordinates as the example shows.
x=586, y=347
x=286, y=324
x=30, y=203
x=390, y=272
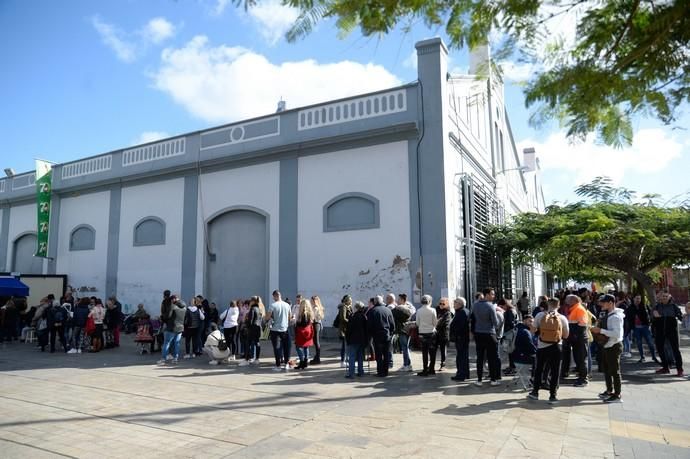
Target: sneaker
x=495, y=383
x=627, y=355
x=423, y=373
x=72, y=351
x=243, y=363
x=613, y=399
x=349, y=377
x=443, y=365
x=553, y=400
x=478, y=383
x=187, y=356
x=174, y=361
x=162, y=362
x=409, y=368
x=580, y=383
x=662, y=371
x=656, y=360
x=232, y=357
x=604, y=395
x=169, y=357
x=457, y=378
x=533, y=396
x=213, y=362
x=256, y=362
x=286, y=367
x=277, y=368
x=680, y=373
x=78, y=351
x=343, y=364
x=642, y=360
x=403, y=368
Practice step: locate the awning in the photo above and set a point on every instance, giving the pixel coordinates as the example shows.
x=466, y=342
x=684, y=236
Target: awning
x=9, y=286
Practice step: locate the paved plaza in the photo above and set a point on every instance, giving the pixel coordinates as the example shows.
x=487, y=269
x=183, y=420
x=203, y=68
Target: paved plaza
x=120, y=404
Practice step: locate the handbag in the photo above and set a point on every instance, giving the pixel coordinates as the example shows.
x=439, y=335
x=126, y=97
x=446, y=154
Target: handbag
x=42, y=324
x=90, y=327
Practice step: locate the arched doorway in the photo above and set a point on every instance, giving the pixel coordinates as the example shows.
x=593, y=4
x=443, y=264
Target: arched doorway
x=237, y=257
x=23, y=260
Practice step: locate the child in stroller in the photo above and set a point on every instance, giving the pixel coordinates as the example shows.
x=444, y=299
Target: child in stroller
x=144, y=336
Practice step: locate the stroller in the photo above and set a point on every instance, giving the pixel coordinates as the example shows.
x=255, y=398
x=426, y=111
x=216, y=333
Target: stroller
x=145, y=337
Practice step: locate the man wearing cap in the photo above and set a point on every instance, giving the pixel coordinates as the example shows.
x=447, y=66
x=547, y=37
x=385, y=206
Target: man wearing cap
x=381, y=325
x=611, y=325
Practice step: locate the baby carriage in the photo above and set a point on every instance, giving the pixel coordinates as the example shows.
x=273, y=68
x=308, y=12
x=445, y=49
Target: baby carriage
x=144, y=338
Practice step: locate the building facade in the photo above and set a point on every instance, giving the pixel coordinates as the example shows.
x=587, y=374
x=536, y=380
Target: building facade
x=383, y=192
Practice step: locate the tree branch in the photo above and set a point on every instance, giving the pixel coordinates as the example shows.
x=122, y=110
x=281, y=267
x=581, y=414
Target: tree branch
x=626, y=27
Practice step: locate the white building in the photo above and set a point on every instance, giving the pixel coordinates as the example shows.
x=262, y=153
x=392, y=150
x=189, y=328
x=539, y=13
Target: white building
x=386, y=191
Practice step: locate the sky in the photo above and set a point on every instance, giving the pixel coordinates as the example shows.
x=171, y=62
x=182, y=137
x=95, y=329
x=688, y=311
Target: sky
x=80, y=77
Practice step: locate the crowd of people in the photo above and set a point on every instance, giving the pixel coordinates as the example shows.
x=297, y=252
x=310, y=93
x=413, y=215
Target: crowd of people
x=572, y=329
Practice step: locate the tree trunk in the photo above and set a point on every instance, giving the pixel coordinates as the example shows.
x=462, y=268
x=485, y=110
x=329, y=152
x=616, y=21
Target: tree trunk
x=645, y=283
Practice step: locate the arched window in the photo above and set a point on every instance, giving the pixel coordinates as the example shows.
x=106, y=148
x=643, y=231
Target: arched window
x=351, y=211
x=149, y=231
x=82, y=237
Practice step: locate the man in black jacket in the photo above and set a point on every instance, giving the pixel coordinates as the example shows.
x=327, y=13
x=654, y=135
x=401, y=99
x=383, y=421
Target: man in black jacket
x=460, y=334
x=666, y=316
x=381, y=325
x=357, y=339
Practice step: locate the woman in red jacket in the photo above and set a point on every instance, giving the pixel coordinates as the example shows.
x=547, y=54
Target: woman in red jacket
x=304, y=332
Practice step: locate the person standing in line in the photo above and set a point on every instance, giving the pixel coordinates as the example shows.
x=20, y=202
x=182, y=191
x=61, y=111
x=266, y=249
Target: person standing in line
x=611, y=326
x=484, y=323
x=98, y=315
x=57, y=321
x=640, y=325
x=40, y=322
x=294, y=311
x=552, y=328
x=509, y=324
x=341, y=321
x=356, y=339
x=81, y=313
x=426, y=321
x=460, y=335
x=279, y=315
x=174, y=326
x=402, y=315
x=524, y=305
x=666, y=316
x=380, y=326
x=444, y=317
x=318, y=326
x=390, y=303
x=194, y=318
x=255, y=319
x=114, y=319
x=304, y=333
x=578, y=321
x=229, y=321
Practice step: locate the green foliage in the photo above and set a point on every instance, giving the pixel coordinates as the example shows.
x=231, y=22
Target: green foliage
x=630, y=57
x=606, y=238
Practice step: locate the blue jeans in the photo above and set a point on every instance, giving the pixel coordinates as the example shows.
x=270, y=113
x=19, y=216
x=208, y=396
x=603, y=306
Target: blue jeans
x=626, y=342
x=404, y=341
x=356, y=354
x=644, y=333
x=302, y=353
x=171, y=338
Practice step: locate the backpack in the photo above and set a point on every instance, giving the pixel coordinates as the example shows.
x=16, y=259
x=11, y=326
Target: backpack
x=508, y=342
x=222, y=344
x=551, y=329
x=59, y=316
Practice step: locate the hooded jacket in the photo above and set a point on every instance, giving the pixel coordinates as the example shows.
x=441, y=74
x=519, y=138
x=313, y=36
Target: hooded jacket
x=614, y=321
x=175, y=320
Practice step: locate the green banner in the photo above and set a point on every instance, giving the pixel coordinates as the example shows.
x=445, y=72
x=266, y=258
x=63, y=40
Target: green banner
x=44, y=187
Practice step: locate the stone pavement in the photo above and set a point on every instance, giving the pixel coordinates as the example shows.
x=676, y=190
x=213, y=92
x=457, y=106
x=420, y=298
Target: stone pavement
x=120, y=404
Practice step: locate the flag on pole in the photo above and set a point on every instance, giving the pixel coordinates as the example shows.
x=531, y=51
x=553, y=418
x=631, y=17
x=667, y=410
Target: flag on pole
x=44, y=187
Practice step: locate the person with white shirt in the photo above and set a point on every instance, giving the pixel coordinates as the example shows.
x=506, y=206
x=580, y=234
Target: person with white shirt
x=426, y=327
x=212, y=346
x=229, y=322
x=611, y=325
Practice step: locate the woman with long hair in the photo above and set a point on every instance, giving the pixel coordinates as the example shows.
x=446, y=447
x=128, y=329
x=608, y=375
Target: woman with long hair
x=304, y=333
x=98, y=315
x=229, y=322
x=318, y=326
x=254, y=322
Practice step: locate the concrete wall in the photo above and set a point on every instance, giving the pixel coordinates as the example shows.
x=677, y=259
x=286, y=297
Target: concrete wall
x=365, y=262
x=252, y=186
x=145, y=271
x=86, y=269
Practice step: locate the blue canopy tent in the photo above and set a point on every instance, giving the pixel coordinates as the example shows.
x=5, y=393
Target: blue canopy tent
x=9, y=286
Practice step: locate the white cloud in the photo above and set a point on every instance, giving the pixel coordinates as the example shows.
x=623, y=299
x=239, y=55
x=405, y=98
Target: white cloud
x=158, y=30
x=518, y=72
x=220, y=6
x=273, y=19
x=411, y=61
x=651, y=152
x=223, y=83
x=128, y=46
x=150, y=136
x=114, y=38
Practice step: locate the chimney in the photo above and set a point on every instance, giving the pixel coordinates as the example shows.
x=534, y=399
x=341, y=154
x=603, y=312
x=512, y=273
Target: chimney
x=281, y=106
x=530, y=159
